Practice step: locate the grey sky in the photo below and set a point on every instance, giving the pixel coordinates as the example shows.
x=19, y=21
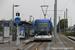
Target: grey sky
x=32, y=7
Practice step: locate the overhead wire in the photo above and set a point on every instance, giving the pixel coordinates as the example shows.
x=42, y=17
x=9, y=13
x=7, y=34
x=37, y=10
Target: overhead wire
x=66, y=5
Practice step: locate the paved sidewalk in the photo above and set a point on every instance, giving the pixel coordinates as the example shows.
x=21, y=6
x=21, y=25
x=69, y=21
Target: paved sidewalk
x=12, y=45
x=1, y=38
x=5, y=39
x=7, y=46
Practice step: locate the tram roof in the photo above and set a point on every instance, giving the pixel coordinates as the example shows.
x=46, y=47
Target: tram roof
x=42, y=20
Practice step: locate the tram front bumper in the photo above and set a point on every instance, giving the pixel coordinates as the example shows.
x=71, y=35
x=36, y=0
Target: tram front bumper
x=43, y=38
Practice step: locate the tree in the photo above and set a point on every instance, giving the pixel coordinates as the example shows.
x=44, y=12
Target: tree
x=1, y=28
x=62, y=24
x=30, y=21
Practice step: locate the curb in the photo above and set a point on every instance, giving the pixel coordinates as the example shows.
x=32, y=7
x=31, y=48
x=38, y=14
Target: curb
x=18, y=49
x=70, y=37
x=8, y=41
x=1, y=43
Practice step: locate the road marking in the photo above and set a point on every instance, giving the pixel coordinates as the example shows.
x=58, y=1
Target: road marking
x=29, y=46
x=61, y=43
x=48, y=46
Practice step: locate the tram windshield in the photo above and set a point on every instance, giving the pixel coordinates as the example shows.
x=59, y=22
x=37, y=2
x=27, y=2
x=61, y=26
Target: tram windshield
x=42, y=26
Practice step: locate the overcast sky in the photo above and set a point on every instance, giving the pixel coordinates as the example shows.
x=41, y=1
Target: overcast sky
x=32, y=7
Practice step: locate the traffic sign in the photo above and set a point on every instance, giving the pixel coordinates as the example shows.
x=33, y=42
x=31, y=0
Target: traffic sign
x=17, y=20
x=17, y=14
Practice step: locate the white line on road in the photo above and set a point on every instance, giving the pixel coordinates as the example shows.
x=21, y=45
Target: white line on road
x=48, y=46
x=29, y=46
x=62, y=43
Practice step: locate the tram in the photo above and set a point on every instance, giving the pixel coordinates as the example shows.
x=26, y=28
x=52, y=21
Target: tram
x=43, y=29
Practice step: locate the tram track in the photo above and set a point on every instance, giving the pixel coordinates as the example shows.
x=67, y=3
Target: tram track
x=69, y=43
x=38, y=46
x=26, y=45
x=48, y=46
x=29, y=46
x=62, y=44
x=69, y=39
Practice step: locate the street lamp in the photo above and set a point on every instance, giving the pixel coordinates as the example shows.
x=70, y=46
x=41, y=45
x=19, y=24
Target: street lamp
x=59, y=25
x=33, y=19
x=13, y=35
x=13, y=10
x=30, y=17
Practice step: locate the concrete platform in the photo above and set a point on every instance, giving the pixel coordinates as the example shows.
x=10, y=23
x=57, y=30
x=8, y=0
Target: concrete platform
x=7, y=41
x=71, y=37
x=27, y=41
x=12, y=45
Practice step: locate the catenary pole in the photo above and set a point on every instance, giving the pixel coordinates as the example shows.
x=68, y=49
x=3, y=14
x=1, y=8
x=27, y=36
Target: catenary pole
x=59, y=24
x=50, y=19
x=13, y=39
x=55, y=21
x=64, y=22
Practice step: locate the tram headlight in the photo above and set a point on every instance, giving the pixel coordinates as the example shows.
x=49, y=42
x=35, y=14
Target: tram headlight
x=48, y=34
x=36, y=34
